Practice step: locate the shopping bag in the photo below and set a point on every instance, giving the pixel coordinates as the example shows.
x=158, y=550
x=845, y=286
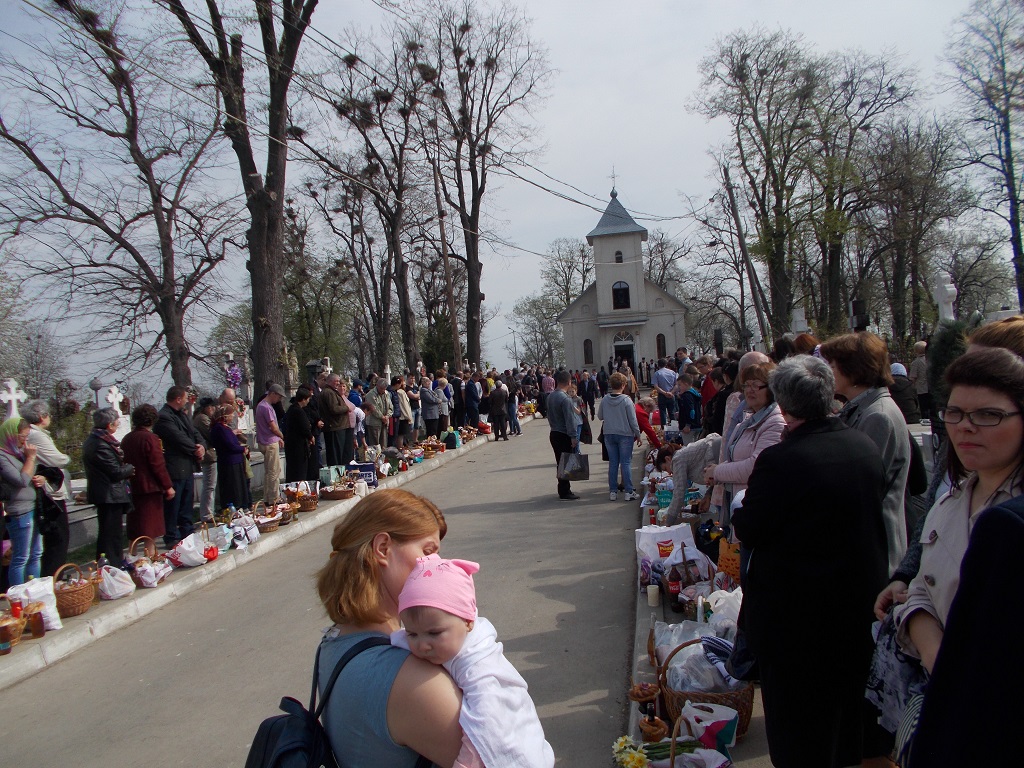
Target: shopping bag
x=115, y=583
x=713, y=725
x=39, y=591
x=244, y=530
x=574, y=466
x=188, y=553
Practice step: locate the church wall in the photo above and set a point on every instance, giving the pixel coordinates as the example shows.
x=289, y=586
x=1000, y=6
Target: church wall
x=630, y=271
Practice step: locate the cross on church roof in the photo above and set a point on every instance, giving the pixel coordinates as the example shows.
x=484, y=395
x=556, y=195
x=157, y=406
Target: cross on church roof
x=614, y=185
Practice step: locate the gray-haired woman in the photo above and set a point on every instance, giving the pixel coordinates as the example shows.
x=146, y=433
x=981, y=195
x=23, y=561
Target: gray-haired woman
x=53, y=501
x=824, y=482
x=106, y=472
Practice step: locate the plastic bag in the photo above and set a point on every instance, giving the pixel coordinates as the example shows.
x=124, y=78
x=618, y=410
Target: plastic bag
x=657, y=542
x=574, y=466
x=39, y=591
x=115, y=583
x=714, y=725
x=244, y=530
x=188, y=552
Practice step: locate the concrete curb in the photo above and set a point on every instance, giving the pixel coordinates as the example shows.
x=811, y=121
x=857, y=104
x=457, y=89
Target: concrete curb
x=32, y=656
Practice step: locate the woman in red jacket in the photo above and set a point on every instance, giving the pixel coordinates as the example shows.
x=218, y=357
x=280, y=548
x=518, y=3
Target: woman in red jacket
x=644, y=408
x=150, y=484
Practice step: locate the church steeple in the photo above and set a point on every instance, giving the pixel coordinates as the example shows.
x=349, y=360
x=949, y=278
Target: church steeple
x=615, y=221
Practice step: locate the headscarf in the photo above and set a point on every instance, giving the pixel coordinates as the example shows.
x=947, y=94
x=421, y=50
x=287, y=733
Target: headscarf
x=9, y=437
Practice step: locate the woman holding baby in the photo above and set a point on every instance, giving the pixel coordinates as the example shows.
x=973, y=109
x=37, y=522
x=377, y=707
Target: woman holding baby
x=392, y=705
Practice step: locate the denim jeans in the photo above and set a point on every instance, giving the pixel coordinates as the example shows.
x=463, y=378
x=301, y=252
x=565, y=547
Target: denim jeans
x=513, y=419
x=666, y=409
x=620, y=453
x=178, y=512
x=26, y=548
x=206, y=509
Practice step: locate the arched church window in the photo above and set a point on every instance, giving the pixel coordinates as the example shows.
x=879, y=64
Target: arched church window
x=588, y=352
x=618, y=257
x=620, y=295
x=660, y=343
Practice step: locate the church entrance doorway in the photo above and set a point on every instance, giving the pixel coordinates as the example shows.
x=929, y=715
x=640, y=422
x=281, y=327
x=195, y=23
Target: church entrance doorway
x=625, y=353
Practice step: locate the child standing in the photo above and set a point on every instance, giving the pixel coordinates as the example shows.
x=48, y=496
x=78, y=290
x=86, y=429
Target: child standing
x=499, y=721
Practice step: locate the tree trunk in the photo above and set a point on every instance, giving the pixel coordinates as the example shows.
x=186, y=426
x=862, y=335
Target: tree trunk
x=174, y=337
x=474, y=298
x=406, y=313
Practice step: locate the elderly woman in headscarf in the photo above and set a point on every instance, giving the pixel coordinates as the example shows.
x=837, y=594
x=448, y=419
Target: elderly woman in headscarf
x=53, y=496
x=106, y=472
x=18, y=483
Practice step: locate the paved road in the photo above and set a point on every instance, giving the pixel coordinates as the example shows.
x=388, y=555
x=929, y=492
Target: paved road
x=188, y=684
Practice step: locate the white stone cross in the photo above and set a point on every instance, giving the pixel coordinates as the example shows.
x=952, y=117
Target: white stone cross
x=12, y=396
x=944, y=294
x=114, y=397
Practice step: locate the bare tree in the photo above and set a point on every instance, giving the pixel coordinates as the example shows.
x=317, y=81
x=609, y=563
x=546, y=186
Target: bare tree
x=105, y=175
x=490, y=74
x=857, y=92
x=223, y=53
x=975, y=259
x=538, y=336
x=664, y=257
x=918, y=190
x=764, y=84
x=987, y=55
x=377, y=93
x=568, y=271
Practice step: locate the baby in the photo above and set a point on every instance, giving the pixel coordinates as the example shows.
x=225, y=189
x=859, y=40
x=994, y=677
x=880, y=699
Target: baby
x=499, y=721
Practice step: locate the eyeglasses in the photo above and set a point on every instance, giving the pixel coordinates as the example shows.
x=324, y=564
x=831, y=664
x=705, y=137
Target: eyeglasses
x=983, y=417
x=754, y=386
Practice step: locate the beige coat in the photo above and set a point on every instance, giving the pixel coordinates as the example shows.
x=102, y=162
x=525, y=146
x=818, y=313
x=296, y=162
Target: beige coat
x=944, y=539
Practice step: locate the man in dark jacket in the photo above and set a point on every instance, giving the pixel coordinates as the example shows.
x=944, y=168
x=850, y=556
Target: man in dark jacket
x=472, y=394
x=499, y=410
x=588, y=391
x=902, y=393
x=183, y=450
x=334, y=410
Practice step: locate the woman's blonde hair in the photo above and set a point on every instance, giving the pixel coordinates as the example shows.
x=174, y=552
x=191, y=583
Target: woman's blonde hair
x=349, y=584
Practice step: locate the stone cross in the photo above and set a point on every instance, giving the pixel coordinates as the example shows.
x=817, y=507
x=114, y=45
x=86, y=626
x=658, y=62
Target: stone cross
x=114, y=397
x=12, y=396
x=944, y=294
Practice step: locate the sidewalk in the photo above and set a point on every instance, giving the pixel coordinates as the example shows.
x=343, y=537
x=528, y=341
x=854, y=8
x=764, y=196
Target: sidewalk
x=752, y=750
x=32, y=656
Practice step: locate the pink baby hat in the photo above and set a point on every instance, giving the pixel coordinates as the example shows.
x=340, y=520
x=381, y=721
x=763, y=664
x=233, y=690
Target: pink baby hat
x=443, y=584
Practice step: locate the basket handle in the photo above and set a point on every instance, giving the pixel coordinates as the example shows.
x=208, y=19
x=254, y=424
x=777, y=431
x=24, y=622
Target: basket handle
x=59, y=571
x=675, y=735
x=663, y=669
x=147, y=550
x=256, y=506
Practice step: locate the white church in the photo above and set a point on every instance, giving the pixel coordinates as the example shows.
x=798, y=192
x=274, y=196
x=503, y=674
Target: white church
x=621, y=314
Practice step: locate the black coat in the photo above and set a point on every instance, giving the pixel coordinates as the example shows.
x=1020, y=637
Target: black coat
x=979, y=660
x=180, y=438
x=105, y=472
x=902, y=392
x=812, y=514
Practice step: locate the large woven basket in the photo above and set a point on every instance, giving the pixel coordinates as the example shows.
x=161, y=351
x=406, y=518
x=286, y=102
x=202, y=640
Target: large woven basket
x=73, y=600
x=308, y=503
x=264, y=527
x=742, y=699
x=17, y=625
x=337, y=494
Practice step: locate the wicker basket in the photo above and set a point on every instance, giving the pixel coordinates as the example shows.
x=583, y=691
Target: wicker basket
x=308, y=503
x=428, y=454
x=74, y=600
x=269, y=527
x=149, y=551
x=338, y=494
x=17, y=627
x=742, y=699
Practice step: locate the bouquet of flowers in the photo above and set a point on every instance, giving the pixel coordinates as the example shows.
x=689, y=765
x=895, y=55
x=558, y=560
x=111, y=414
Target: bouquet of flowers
x=629, y=754
x=233, y=376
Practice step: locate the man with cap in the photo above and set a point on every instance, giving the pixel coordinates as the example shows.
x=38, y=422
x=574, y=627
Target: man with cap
x=270, y=440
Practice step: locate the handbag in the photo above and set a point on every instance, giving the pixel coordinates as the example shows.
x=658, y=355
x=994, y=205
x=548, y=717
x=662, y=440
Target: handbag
x=574, y=466
x=729, y=558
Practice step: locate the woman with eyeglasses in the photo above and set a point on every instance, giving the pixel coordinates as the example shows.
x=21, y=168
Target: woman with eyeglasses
x=860, y=363
x=986, y=467
x=761, y=427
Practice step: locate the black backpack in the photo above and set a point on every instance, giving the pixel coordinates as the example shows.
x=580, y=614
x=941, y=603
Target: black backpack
x=296, y=739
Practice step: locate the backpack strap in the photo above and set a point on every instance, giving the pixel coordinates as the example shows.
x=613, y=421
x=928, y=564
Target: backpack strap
x=351, y=653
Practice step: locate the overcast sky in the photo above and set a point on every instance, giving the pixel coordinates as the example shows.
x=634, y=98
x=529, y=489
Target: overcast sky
x=624, y=81
x=625, y=75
